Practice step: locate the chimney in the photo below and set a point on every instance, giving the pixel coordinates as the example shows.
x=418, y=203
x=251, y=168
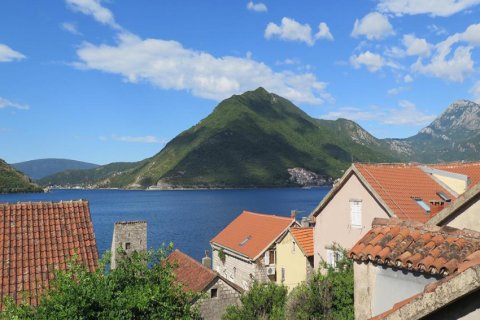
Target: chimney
x=207, y=261
x=293, y=214
x=305, y=222
x=131, y=236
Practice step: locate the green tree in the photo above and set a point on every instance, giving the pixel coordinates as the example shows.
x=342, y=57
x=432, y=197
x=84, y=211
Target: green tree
x=262, y=301
x=141, y=287
x=327, y=295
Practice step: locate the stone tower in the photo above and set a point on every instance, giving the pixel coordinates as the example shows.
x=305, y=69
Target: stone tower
x=131, y=236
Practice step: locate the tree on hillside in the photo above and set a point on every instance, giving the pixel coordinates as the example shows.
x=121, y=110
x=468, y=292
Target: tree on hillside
x=262, y=301
x=327, y=295
x=141, y=287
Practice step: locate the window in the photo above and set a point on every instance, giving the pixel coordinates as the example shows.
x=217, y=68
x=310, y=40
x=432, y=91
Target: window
x=333, y=256
x=422, y=204
x=245, y=241
x=127, y=245
x=213, y=293
x=293, y=246
x=283, y=274
x=272, y=256
x=234, y=273
x=444, y=196
x=356, y=213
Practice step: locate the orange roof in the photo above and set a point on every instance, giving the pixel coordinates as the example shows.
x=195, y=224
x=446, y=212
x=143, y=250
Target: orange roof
x=251, y=233
x=304, y=237
x=413, y=246
x=398, y=185
x=470, y=169
x=38, y=237
x=189, y=272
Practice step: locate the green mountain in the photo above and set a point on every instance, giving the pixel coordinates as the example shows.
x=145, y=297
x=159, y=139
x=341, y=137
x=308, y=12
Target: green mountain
x=37, y=169
x=12, y=181
x=250, y=140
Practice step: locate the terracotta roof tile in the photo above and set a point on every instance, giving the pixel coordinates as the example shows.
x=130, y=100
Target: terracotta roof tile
x=470, y=169
x=251, y=233
x=425, y=249
x=189, y=272
x=399, y=184
x=38, y=237
x=304, y=237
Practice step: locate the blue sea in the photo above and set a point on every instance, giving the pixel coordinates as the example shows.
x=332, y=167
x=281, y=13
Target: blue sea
x=189, y=219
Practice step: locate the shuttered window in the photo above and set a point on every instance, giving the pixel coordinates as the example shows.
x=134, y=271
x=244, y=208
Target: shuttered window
x=356, y=213
x=333, y=256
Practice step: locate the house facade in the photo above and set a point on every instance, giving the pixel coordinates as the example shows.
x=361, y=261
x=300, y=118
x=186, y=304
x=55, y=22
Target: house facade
x=38, y=238
x=294, y=252
x=401, y=262
x=219, y=293
x=245, y=250
x=366, y=191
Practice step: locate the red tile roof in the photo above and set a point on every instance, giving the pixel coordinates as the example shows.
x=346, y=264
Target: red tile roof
x=417, y=247
x=38, y=237
x=252, y=233
x=470, y=169
x=398, y=184
x=304, y=237
x=189, y=272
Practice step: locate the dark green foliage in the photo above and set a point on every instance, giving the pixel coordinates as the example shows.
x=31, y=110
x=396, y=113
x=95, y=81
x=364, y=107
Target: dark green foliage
x=262, y=301
x=37, y=169
x=141, y=287
x=327, y=295
x=12, y=181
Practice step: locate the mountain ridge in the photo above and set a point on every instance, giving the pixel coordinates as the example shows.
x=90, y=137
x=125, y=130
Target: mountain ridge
x=40, y=168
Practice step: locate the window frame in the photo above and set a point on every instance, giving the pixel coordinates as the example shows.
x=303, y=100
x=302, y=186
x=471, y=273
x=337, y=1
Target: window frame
x=356, y=212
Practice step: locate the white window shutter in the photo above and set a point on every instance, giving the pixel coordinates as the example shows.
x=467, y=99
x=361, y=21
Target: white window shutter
x=356, y=213
x=267, y=258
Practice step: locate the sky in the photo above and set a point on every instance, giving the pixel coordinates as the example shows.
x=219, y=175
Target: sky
x=106, y=81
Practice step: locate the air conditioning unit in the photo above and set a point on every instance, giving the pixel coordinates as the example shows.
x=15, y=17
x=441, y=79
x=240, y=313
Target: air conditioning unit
x=271, y=270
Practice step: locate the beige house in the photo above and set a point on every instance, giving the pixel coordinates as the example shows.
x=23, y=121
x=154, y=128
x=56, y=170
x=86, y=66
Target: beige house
x=408, y=270
x=244, y=251
x=406, y=191
x=294, y=252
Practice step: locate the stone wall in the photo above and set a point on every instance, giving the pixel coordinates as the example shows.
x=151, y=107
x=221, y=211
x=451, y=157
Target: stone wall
x=235, y=269
x=213, y=308
x=131, y=236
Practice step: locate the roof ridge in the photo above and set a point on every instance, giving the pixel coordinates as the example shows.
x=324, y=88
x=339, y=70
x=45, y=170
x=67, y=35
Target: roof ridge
x=194, y=260
x=43, y=202
x=267, y=215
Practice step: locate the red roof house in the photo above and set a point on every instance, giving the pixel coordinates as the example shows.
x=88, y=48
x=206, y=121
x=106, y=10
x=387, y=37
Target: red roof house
x=38, y=237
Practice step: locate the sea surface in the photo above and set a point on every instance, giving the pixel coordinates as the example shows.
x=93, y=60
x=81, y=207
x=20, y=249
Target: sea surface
x=189, y=219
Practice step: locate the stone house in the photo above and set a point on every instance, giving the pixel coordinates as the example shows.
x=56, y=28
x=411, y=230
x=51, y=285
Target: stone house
x=131, y=236
x=294, y=250
x=244, y=250
x=406, y=191
x=409, y=270
x=37, y=238
x=219, y=293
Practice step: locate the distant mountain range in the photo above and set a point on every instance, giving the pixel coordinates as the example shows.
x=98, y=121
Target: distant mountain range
x=13, y=181
x=260, y=139
x=37, y=169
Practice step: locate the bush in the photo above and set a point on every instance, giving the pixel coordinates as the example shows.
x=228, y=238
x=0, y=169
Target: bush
x=141, y=287
x=262, y=301
x=328, y=294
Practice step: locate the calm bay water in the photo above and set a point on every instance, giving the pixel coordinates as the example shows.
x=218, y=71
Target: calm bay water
x=187, y=218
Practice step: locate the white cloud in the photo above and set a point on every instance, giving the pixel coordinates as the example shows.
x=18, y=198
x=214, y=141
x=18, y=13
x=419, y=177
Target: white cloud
x=7, y=54
x=448, y=66
x=396, y=91
x=408, y=78
x=373, y=62
x=437, y=30
x=134, y=139
x=96, y=10
x=406, y=113
x=288, y=62
x=168, y=65
x=70, y=27
x=374, y=26
x=443, y=8
x=291, y=30
x=257, y=7
x=416, y=46
x=324, y=32
x=5, y=103
x=475, y=91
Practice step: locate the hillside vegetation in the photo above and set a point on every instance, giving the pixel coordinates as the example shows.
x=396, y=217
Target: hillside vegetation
x=12, y=180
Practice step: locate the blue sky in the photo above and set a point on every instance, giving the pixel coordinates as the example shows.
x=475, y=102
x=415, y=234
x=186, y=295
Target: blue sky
x=112, y=80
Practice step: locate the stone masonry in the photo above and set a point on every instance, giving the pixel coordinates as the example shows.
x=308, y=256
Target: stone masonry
x=131, y=236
